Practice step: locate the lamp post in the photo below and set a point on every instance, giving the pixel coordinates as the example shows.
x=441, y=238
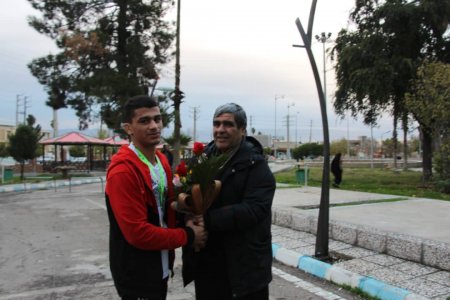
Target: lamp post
x=321, y=249
x=323, y=38
x=296, y=129
x=288, y=151
x=275, y=133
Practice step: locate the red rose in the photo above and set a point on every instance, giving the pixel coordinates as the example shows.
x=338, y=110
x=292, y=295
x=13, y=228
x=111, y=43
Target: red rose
x=181, y=169
x=198, y=148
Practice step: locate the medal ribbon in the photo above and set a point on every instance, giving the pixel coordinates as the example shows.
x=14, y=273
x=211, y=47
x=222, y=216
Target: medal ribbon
x=161, y=174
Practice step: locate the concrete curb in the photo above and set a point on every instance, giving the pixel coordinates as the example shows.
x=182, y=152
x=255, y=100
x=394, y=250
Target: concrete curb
x=427, y=252
x=340, y=276
x=23, y=187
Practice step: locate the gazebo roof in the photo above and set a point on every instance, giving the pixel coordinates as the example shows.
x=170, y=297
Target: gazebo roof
x=73, y=138
x=116, y=140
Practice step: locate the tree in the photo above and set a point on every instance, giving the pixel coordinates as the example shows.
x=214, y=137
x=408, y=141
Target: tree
x=376, y=62
x=339, y=146
x=184, y=140
x=77, y=151
x=110, y=51
x=429, y=102
x=23, y=144
x=3, y=150
x=307, y=150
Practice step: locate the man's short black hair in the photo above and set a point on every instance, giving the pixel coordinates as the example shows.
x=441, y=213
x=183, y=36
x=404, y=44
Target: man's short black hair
x=137, y=102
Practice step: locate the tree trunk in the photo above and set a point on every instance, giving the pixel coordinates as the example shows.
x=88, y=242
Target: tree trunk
x=405, y=141
x=394, y=141
x=22, y=168
x=427, y=154
x=177, y=95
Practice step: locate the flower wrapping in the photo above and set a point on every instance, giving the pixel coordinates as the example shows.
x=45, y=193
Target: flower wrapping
x=195, y=181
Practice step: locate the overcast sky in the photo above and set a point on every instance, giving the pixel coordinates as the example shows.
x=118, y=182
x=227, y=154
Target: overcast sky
x=231, y=51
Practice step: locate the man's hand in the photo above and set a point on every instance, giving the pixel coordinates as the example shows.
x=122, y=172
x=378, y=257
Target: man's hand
x=201, y=234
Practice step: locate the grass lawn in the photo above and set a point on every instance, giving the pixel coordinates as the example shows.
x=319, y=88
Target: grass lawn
x=42, y=177
x=383, y=181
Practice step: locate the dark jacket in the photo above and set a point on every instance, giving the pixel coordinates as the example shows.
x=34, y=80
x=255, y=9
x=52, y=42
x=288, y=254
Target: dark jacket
x=239, y=224
x=136, y=237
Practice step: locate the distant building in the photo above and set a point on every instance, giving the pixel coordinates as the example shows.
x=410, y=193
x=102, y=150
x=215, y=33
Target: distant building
x=6, y=130
x=264, y=139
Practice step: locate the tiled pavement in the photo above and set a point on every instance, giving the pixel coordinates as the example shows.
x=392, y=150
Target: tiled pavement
x=425, y=281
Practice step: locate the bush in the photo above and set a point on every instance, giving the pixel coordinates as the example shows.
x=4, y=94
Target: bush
x=443, y=186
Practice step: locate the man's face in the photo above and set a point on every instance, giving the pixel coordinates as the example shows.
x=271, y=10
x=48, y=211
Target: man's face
x=145, y=127
x=226, y=133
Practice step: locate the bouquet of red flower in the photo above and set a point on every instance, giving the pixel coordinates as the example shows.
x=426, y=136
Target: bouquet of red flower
x=195, y=181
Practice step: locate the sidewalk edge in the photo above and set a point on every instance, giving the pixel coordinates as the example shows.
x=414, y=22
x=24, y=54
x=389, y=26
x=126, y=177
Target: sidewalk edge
x=337, y=275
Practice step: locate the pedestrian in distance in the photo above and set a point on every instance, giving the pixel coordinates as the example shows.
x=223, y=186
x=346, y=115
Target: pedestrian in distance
x=336, y=169
x=139, y=189
x=236, y=262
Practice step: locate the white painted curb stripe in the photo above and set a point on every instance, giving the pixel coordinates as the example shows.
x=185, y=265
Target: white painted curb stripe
x=338, y=275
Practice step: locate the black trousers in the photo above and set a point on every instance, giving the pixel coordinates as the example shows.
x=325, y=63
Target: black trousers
x=163, y=294
x=217, y=287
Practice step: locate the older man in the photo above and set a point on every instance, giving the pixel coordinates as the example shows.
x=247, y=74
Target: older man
x=237, y=259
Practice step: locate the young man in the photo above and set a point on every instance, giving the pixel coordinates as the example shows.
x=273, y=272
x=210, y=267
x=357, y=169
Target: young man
x=138, y=194
x=237, y=259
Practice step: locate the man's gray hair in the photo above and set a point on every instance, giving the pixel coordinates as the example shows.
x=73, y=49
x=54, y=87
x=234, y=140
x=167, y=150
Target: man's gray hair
x=232, y=108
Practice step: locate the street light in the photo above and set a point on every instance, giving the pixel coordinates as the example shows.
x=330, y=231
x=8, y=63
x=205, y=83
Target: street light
x=296, y=129
x=288, y=151
x=323, y=38
x=275, y=135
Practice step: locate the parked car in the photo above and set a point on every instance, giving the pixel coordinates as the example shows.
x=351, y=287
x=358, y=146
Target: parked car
x=45, y=158
x=80, y=159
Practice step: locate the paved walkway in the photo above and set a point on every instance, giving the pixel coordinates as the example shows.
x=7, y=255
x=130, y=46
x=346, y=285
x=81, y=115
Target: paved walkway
x=401, y=247
x=403, y=244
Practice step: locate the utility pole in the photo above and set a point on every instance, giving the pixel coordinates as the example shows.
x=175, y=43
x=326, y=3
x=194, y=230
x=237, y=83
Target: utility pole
x=195, y=117
x=288, y=151
x=296, y=129
x=310, y=131
x=275, y=135
x=25, y=106
x=18, y=104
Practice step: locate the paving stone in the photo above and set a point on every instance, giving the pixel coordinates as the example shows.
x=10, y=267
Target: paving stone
x=279, y=239
x=358, y=266
x=414, y=269
x=445, y=297
x=282, y=216
x=294, y=234
x=384, y=260
x=343, y=232
x=441, y=277
x=305, y=250
x=426, y=288
x=371, y=238
x=389, y=276
x=404, y=246
x=436, y=254
x=356, y=252
x=302, y=222
x=291, y=244
x=336, y=245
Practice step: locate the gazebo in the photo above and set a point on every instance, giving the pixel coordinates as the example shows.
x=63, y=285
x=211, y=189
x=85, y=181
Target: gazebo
x=116, y=141
x=75, y=138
